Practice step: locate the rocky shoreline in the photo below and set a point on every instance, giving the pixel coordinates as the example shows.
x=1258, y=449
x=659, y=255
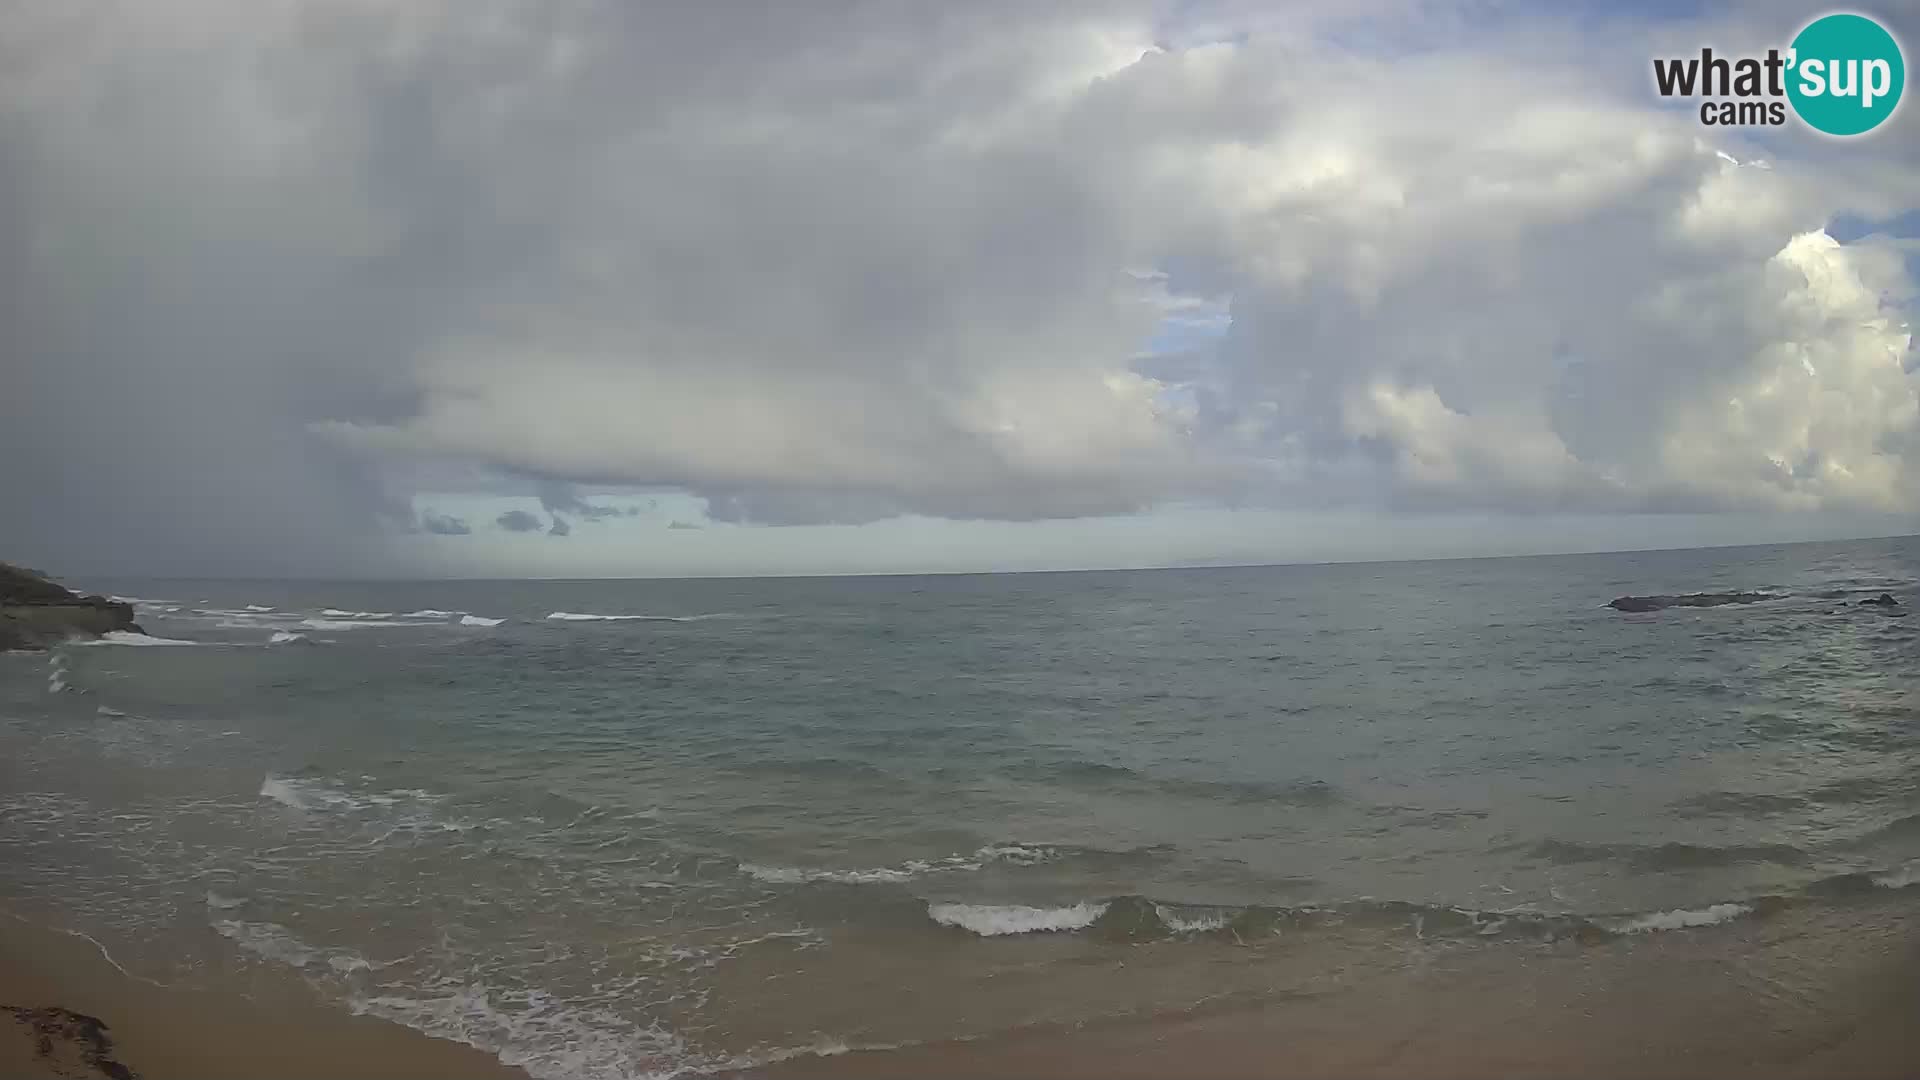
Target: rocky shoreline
x=36, y=613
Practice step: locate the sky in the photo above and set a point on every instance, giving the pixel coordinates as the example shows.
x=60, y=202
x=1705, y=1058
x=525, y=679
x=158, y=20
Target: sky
x=477, y=288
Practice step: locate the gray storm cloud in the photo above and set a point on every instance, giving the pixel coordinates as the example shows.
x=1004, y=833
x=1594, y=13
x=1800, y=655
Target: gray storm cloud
x=445, y=525
x=519, y=521
x=284, y=263
x=557, y=497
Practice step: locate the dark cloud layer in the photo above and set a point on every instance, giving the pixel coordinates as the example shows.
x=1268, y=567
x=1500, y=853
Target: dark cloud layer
x=558, y=497
x=268, y=271
x=444, y=525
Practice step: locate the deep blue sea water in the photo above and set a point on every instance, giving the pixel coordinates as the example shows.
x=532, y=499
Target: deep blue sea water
x=724, y=821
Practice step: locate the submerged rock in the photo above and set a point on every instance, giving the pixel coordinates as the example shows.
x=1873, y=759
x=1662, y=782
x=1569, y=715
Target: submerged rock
x=1883, y=600
x=1660, y=603
x=35, y=612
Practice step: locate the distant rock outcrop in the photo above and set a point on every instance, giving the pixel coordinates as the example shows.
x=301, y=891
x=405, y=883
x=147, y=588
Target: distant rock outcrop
x=1699, y=599
x=35, y=612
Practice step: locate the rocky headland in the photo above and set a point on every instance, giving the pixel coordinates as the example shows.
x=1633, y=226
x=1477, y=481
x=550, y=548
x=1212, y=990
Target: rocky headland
x=36, y=612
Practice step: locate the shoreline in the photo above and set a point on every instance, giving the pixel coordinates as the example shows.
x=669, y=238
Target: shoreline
x=163, y=1033
x=1810, y=992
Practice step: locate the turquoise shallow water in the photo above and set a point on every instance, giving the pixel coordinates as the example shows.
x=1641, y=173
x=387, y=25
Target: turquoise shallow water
x=724, y=821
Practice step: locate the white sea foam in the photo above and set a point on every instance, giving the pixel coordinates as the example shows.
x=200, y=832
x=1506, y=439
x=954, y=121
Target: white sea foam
x=258, y=607
x=431, y=613
x=1681, y=918
x=353, y=624
x=56, y=674
x=994, y=920
x=285, y=637
x=307, y=794
x=550, y=1038
x=284, y=792
x=793, y=875
x=823, y=1047
x=1191, y=922
x=476, y=620
x=277, y=943
x=336, y=613
x=104, y=711
x=271, y=940
x=128, y=637
x=1905, y=877
x=580, y=616
x=397, y=810
x=1017, y=854
x=912, y=868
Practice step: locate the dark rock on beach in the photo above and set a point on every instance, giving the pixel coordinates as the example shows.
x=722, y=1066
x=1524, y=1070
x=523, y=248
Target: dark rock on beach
x=1661, y=603
x=35, y=612
x=67, y=1043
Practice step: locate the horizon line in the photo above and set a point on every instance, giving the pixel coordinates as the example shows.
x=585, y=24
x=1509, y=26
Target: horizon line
x=1255, y=565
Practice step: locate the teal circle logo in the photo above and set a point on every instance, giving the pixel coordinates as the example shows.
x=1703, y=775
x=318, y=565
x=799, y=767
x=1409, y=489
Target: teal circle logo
x=1846, y=74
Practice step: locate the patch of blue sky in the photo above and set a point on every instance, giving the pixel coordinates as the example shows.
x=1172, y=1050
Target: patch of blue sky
x=1185, y=331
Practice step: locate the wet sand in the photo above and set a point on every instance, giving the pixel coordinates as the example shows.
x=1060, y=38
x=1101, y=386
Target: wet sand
x=1819, y=994
x=62, y=982
x=1826, y=992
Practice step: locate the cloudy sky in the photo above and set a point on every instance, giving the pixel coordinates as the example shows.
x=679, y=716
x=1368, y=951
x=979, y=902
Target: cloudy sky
x=595, y=287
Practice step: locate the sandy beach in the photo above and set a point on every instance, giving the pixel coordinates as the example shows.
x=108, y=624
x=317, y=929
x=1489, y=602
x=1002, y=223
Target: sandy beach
x=156, y=1033
x=1803, y=993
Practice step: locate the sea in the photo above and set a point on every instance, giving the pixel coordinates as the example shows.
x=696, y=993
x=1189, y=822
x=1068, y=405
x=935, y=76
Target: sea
x=637, y=828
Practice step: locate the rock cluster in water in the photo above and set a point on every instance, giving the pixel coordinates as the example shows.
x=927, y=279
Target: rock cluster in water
x=1884, y=601
x=35, y=612
x=1699, y=599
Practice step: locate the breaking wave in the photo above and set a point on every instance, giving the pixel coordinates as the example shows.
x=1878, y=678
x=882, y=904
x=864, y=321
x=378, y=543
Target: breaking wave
x=302, y=795
x=1906, y=877
x=995, y=920
x=1017, y=854
x=1138, y=918
x=353, y=624
x=476, y=620
x=1681, y=918
x=128, y=637
x=577, y=616
x=1094, y=774
x=1669, y=856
